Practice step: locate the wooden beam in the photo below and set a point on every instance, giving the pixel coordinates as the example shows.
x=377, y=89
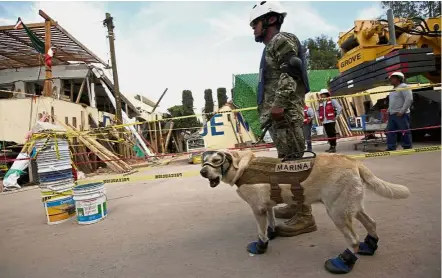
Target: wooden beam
x=88, y=89
x=72, y=91
x=161, y=137
x=93, y=97
x=47, y=17
x=47, y=89
x=56, y=25
x=23, y=64
x=81, y=90
x=158, y=102
x=52, y=115
x=30, y=25
x=168, y=135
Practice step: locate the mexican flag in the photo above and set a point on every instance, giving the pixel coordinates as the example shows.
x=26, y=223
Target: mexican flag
x=38, y=44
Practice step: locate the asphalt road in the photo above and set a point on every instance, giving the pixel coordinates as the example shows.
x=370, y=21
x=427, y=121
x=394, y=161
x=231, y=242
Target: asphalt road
x=183, y=228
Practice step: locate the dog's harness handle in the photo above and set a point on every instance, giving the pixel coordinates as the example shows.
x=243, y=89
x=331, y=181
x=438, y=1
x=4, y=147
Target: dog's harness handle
x=292, y=156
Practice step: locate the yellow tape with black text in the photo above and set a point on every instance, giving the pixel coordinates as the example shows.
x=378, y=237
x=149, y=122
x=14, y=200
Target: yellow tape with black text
x=123, y=178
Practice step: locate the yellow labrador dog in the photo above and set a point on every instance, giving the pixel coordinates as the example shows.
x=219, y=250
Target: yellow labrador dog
x=337, y=181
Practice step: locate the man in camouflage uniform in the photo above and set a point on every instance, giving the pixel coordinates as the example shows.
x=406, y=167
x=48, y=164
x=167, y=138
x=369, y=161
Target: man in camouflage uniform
x=281, y=98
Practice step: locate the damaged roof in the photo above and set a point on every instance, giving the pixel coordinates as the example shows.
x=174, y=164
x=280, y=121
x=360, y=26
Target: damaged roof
x=17, y=50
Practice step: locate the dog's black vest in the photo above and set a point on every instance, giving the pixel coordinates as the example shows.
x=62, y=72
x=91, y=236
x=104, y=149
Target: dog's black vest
x=273, y=171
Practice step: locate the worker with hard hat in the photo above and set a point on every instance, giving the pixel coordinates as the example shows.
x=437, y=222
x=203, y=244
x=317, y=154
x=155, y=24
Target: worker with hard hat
x=328, y=111
x=282, y=86
x=399, y=103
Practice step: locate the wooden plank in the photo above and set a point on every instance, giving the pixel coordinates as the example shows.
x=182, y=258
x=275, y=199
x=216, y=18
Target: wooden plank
x=152, y=142
x=161, y=138
x=175, y=142
x=72, y=91
x=29, y=25
x=47, y=89
x=155, y=132
x=81, y=91
x=169, y=133
x=94, y=147
x=52, y=115
x=108, y=153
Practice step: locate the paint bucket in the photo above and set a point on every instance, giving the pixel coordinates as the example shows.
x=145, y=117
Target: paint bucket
x=196, y=159
x=59, y=209
x=90, y=202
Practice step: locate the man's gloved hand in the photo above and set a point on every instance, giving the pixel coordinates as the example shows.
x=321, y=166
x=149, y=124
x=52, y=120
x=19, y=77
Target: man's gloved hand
x=265, y=124
x=277, y=113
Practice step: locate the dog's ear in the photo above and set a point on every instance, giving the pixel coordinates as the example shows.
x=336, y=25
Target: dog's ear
x=235, y=158
x=241, y=161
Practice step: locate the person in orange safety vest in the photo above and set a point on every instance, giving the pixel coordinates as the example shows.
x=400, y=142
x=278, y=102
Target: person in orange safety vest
x=328, y=111
x=307, y=128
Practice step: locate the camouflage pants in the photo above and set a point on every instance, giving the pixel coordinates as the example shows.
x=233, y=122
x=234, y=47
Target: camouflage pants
x=288, y=135
x=288, y=140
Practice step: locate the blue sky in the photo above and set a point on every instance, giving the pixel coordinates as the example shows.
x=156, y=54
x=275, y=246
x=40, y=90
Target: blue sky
x=184, y=45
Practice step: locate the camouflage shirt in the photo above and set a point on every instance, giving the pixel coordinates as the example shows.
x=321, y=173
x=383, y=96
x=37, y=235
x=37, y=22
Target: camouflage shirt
x=280, y=89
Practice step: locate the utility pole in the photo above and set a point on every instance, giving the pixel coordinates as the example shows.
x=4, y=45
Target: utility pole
x=109, y=23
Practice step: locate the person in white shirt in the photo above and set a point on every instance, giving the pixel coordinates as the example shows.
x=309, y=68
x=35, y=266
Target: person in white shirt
x=399, y=103
x=328, y=111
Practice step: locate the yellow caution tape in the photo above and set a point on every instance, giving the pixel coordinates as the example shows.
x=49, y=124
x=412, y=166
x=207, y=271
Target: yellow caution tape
x=118, y=179
x=400, y=152
x=364, y=93
x=122, y=178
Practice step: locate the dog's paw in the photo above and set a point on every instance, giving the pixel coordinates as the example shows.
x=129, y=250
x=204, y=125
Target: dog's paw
x=342, y=264
x=271, y=233
x=257, y=247
x=369, y=246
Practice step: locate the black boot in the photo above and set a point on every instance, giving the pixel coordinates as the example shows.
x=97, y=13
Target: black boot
x=332, y=149
x=342, y=264
x=369, y=246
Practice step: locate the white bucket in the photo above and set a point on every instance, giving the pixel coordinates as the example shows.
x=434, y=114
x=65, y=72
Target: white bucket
x=90, y=202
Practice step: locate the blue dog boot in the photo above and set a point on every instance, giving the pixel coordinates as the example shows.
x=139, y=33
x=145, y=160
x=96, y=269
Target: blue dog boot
x=342, y=264
x=271, y=234
x=369, y=246
x=257, y=247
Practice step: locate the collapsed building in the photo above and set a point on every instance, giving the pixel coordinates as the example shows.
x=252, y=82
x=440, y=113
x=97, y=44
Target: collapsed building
x=46, y=74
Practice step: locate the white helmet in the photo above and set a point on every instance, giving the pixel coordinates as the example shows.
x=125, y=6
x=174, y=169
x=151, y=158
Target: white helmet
x=266, y=7
x=324, y=91
x=398, y=74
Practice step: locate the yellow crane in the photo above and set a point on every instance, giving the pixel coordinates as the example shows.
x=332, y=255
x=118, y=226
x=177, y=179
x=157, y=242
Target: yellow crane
x=368, y=47
x=373, y=49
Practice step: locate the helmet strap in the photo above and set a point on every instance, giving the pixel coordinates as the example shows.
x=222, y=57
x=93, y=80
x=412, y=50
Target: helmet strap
x=266, y=24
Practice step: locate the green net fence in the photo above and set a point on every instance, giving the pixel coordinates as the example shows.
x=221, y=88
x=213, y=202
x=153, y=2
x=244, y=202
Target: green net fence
x=245, y=90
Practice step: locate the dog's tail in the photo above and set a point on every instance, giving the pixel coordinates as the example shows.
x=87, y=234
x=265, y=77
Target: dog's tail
x=381, y=187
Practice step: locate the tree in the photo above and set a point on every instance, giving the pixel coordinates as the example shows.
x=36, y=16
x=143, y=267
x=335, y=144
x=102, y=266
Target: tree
x=208, y=108
x=186, y=109
x=323, y=53
x=410, y=9
x=222, y=97
x=188, y=102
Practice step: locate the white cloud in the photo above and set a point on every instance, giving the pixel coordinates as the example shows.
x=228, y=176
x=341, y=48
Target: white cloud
x=151, y=55
x=6, y=21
